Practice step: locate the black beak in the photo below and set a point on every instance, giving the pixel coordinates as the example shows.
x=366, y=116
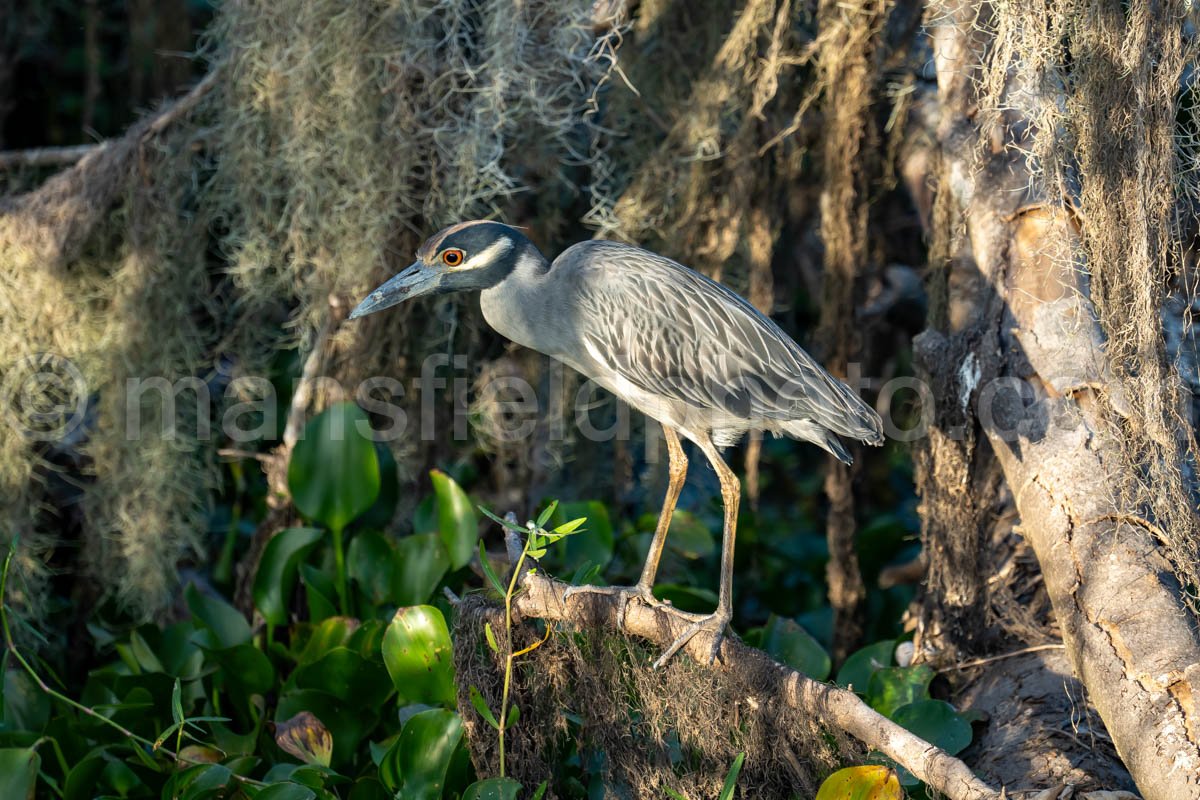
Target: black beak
x=415, y=281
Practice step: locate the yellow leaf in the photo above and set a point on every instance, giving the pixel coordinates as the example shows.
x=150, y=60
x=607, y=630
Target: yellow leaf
x=868, y=782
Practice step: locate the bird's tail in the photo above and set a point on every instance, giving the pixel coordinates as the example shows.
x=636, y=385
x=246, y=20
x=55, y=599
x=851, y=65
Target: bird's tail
x=818, y=435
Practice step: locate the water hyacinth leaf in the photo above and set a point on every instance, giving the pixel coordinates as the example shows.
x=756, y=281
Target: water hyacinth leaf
x=18, y=772
x=425, y=515
x=868, y=782
x=415, y=767
x=786, y=641
x=345, y=674
x=493, y=789
x=595, y=544
x=224, y=622
x=936, y=722
x=204, y=781
x=26, y=707
x=305, y=737
x=277, y=570
x=81, y=780
x=247, y=668
x=892, y=687
x=370, y=564
x=419, y=657
x=862, y=664
x=421, y=563
x=369, y=789
x=318, y=592
x=326, y=635
x=457, y=523
x=286, y=791
x=333, y=473
x=689, y=536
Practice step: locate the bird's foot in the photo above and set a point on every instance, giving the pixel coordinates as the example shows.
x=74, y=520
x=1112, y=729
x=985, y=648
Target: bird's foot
x=626, y=594
x=716, y=624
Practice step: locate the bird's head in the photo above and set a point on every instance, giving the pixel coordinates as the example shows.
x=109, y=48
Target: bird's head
x=466, y=256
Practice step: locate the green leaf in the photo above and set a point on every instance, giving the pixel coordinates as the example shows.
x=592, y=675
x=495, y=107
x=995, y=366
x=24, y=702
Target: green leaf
x=369, y=789
x=731, y=778
x=546, y=514
x=892, y=687
x=457, y=524
x=491, y=637
x=689, y=536
x=869, y=782
x=276, y=576
x=319, y=592
x=18, y=772
x=490, y=573
x=502, y=522
x=371, y=564
x=415, y=766
x=862, y=664
x=325, y=636
x=247, y=668
x=286, y=791
x=936, y=722
x=25, y=706
x=540, y=791
x=493, y=789
x=176, y=703
x=566, y=529
x=333, y=474
x=514, y=714
x=202, y=781
x=425, y=515
x=421, y=563
x=346, y=675
x=786, y=641
x=228, y=627
x=419, y=657
x=81, y=780
x=594, y=545
x=482, y=707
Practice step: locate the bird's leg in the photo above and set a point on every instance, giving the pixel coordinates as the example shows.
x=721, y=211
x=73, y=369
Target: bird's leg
x=643, y=589
x=716, y=623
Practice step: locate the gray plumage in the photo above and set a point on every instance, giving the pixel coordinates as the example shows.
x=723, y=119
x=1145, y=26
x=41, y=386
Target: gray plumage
x=679, y=347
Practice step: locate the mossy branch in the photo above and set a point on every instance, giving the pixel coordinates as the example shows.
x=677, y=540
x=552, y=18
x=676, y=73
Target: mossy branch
x=542, y=598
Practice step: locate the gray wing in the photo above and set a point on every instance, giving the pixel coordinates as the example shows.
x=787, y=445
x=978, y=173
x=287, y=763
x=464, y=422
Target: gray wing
x=673, y=332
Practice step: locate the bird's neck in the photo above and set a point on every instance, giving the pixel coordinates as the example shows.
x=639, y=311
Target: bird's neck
x=521, y=307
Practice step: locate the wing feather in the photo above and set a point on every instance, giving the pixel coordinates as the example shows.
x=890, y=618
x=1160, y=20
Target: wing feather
x=675, y=333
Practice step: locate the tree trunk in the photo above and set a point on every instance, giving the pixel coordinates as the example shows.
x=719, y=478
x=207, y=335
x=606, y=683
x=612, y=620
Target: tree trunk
x=1026, y=375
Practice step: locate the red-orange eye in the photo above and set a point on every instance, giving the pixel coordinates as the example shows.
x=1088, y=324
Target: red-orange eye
x=452, y=258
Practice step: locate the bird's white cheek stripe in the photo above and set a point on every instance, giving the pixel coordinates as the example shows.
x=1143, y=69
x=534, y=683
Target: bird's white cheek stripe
x=487, y=255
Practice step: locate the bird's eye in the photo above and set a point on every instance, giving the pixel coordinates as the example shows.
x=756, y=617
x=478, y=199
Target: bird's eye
x=452, y=258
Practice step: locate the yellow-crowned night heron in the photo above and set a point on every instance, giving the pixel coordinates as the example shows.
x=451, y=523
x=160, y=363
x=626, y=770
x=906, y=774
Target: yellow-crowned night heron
x=673, y=344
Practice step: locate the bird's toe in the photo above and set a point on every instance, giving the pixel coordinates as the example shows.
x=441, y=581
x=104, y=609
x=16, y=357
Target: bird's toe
x=715, y=624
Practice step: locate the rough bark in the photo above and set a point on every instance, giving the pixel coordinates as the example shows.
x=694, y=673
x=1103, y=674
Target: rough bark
x=1032, y=379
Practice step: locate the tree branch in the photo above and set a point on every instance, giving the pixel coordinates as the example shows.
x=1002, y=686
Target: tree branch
x=542, y=598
